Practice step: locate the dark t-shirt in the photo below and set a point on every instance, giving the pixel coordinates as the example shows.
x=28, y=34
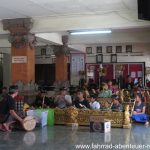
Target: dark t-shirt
x=116, y=107
x=81, y=104
x=6, y=105
x=39, y=101
x=129, y=86
x=139, y=108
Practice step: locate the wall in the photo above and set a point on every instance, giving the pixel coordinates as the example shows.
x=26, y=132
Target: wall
x=43, y=59
x=6, y=70
x=140, y=53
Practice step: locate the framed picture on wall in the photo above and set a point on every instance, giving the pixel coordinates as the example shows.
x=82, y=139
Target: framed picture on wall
x=89, y=50
x=109, y=49
x=129, y=48
x=99, y=58
x=113, y=58
x=99, y=49
x=118, y=49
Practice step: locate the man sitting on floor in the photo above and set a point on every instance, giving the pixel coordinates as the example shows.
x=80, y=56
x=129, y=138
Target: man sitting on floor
x=41, y=100
x=80, y=102
x=7, y=108
x=116, y=106
x=94, y=104
x=63, y=100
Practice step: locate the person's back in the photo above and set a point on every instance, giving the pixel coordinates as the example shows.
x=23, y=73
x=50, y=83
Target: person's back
x=6, y=104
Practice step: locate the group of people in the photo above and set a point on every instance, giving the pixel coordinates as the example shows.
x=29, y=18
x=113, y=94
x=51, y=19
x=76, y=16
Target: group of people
x=8, y=114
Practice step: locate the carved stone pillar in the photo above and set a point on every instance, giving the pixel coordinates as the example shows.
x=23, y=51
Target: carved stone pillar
x=22, y=49
x=61, y=60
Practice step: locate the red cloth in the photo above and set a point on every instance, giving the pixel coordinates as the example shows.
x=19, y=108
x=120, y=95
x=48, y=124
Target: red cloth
x=19, y=98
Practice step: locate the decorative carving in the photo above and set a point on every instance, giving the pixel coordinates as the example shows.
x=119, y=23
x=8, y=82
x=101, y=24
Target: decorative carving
x=121, y=95
x=59, y=50
x=18, y=25
x=60, y=84
x=64, y=116
x=71, y=115
x=22, y=40
x=19, y=32
x=127, y=123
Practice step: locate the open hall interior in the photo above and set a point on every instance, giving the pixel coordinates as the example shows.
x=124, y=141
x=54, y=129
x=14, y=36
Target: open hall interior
x=74, y=73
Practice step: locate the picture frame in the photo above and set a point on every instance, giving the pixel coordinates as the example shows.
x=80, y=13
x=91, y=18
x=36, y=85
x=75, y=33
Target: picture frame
x=129, y=48
x=109, y=49
x=99, y=58
x=147, y=70
x=89, y=50
x=113, y=58
x=99, y=49
x=43, y=51
x=118, y=49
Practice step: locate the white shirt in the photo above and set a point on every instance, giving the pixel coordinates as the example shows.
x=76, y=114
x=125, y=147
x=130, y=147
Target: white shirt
x=95, y=105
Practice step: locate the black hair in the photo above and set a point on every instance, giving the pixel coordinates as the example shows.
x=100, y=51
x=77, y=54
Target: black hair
x=4, y=88
x=63, y=89
x=93, y=96
x=43, y=91
x=139, y=95
x=80, y=91
x=13, y=89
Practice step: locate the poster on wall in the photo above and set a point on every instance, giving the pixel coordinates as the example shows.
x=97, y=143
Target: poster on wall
x=77, y=64
x=139, y=74
x=133, y=75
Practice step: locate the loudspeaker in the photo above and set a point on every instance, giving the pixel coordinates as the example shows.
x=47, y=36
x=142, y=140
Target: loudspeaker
x=144, y=9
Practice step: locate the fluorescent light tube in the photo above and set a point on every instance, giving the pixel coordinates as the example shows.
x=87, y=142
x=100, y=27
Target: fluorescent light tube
x=90, y=32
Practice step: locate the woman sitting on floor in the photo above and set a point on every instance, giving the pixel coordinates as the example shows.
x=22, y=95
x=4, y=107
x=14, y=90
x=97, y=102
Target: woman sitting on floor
x=105, y=92
x=138, y=113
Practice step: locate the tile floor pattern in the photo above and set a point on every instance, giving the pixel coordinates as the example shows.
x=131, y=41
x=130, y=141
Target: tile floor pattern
x=65, y=138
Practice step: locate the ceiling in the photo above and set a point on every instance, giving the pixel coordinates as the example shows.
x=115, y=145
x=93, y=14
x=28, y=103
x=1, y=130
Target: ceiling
x=42, y=8
x=61, y=16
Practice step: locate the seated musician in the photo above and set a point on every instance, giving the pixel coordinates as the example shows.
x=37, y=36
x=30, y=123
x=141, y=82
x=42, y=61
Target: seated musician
x=138, y=113
x=63, y=100
x=80, y=101
x=116, y=106
x=105, y=92
x=94, y=104
x=4, y=91
x=7, y=109
x=41, y=100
